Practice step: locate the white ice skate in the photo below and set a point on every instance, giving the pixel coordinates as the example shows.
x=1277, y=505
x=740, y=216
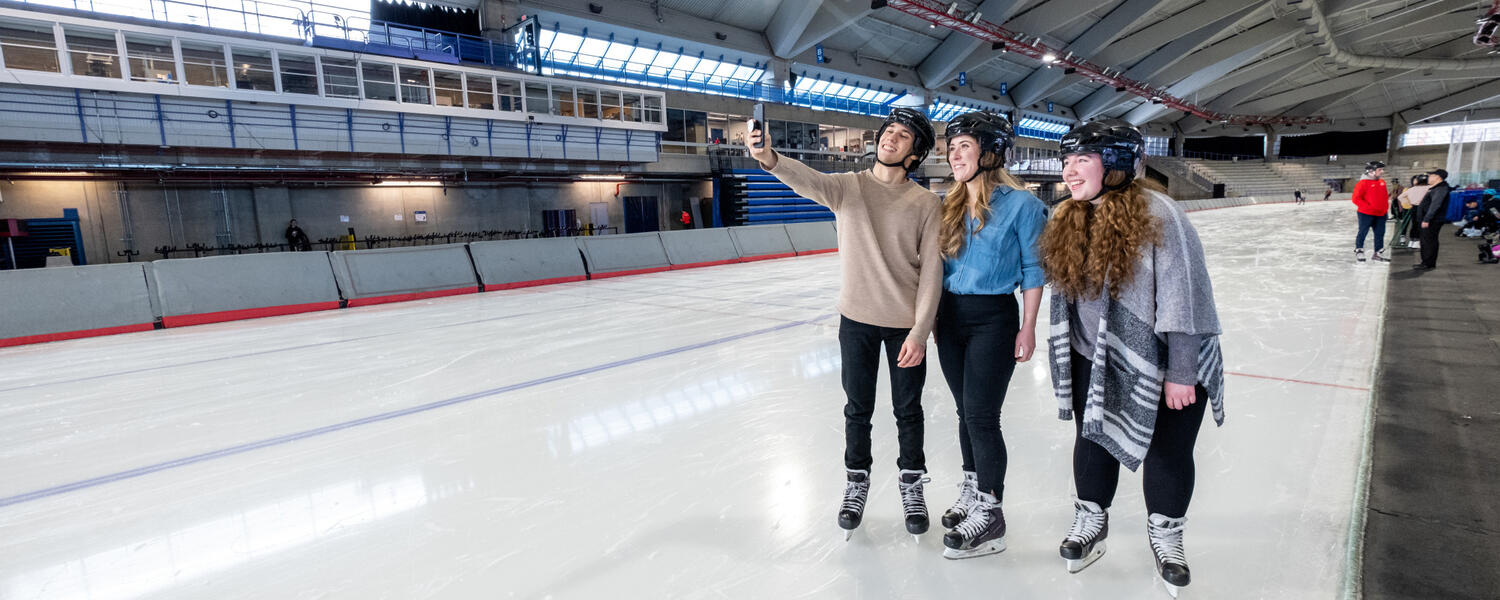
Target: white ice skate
x=1165, y=535
x=1084, y=543
x=1359, y=254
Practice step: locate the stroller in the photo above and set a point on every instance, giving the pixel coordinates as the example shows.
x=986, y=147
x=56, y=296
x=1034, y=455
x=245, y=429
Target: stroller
x=1488, y=225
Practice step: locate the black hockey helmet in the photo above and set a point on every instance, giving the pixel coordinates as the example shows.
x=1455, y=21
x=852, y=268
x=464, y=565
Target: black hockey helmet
x=1374, y=165
x=991, y=130
x=1119, y=144
x=923, y=136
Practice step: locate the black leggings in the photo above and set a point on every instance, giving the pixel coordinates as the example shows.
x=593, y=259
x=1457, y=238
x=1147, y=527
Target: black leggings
x=976, y=344
x=1168, y=472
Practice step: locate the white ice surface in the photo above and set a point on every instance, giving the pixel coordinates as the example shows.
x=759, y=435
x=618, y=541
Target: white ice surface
x=676, y=435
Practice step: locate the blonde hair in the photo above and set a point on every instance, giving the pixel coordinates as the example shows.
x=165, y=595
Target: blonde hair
x=1088, y=250
x=956, y=203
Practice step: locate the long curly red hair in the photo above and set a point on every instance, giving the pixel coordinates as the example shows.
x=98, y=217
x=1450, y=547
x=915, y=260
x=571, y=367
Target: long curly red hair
x=1088, y=250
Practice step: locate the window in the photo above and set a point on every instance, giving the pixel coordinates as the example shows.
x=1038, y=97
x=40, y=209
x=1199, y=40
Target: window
x=252, y=70
x=299, y=74
x=203, y=64
x=380, y=81
x=151, y=59
x=562, y=99
x=588, y=103
x=340, y=78
x=448, y=88
x=509, y=91
x=414, y=86
x=29, y=46
x=1161, y=146
x=609, y=105
x=93, y=53
x=632, y=108
x=481, y=92
x=537, y=101
x=653, y=109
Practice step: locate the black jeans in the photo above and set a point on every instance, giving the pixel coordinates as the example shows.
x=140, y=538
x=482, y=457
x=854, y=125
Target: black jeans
x=976, y=343
x=859, y=345
x=1168, y=472
x=1430, y=243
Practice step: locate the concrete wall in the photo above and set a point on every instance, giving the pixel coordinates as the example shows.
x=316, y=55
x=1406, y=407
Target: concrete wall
x=181, y=214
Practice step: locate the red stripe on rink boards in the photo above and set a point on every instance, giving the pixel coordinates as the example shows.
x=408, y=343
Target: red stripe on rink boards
x=767, y=257
x=630, y=272
x=533, y=283
x=1302, y=381
x=247, y=313
x=827, y=251
x=73, y=335
x=713, y=263
x=353, y=302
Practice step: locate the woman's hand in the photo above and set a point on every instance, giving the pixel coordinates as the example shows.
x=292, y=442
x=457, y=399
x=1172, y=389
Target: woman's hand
x=1025, y=344
x=1180, y=396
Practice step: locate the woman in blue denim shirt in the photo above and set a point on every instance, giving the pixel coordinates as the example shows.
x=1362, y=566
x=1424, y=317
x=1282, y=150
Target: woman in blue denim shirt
x=989, y=238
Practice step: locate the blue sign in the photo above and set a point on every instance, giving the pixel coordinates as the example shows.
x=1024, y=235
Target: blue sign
x=963, y=78
x=820, y=53
x=1004, y=89
x=1049, y=107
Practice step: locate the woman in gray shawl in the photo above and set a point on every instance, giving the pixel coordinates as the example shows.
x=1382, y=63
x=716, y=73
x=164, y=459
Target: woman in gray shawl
x=1134, y=343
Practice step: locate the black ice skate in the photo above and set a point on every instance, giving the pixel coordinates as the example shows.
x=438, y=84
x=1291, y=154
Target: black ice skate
x=1084, y=543
x=1166, y=543
x=912, y=501
x=982, y=533
x=856, y=490
x=968, y=493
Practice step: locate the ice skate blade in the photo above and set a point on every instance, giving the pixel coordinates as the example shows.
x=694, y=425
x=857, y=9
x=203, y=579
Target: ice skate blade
x=985, y=549
x=848, y=534
x=1078, y=564
x=1172, y=590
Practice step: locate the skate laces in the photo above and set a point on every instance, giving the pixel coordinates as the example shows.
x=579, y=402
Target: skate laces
x=912, y=500
x=1087, y=524
x=978, y=520
x=968, y=494
x=854, y=495
x=1166, y=538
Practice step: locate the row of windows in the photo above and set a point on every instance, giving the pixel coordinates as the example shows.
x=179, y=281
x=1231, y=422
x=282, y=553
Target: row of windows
x=1465, y=133
x=97, y=53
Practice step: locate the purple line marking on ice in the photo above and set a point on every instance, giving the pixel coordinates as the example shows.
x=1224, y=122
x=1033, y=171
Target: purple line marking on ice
x=386, y=416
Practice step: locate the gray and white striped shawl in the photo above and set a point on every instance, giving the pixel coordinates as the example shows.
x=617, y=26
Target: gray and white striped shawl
x=1170, y=292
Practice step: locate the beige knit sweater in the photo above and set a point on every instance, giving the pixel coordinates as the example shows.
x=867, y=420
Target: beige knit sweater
x=888, y=242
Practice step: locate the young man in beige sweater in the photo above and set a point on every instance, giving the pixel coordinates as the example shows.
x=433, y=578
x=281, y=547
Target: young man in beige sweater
x=892, y=282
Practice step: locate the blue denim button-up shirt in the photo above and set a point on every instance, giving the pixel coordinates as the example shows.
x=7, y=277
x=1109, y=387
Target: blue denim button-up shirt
x=1005, y=256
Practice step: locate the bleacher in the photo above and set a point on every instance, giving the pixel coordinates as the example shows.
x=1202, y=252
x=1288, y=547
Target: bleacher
x=1254, y=177
x=754, y=197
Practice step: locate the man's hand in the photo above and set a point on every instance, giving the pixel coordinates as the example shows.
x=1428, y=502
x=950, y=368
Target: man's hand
x=764, y=155
x=911, y=354
x=1424, y=224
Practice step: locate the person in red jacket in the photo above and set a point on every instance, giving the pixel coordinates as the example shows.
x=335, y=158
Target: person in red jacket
x=1370, y=198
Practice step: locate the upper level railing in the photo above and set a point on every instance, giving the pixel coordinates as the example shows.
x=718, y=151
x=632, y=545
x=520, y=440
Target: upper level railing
x=310, y=22
x=82, y=52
